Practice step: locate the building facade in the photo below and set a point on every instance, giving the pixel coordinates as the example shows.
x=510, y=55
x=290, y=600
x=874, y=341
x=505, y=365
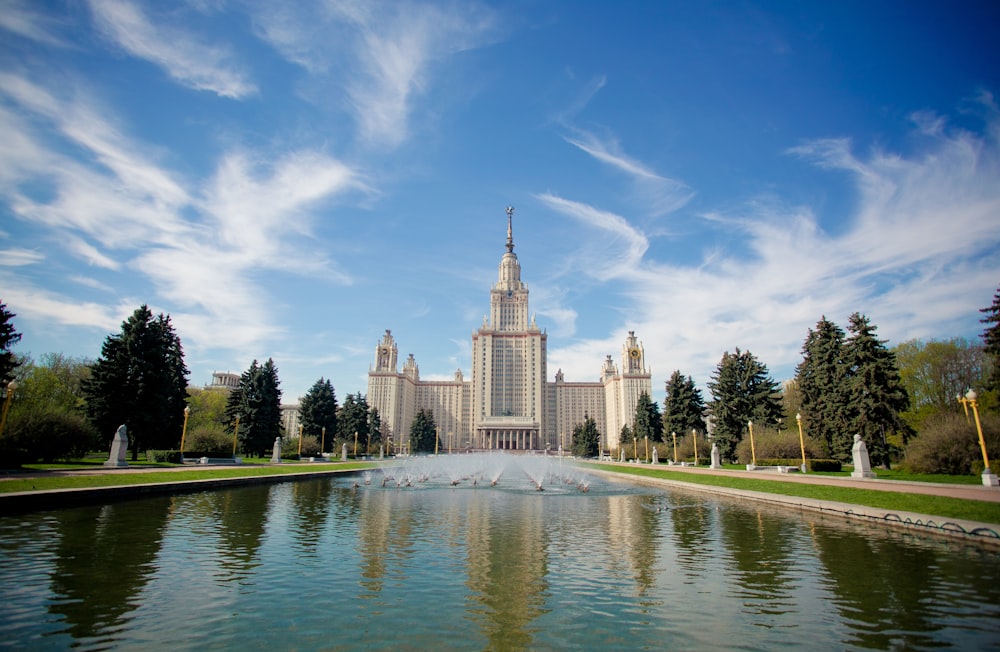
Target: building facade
x=508, y=404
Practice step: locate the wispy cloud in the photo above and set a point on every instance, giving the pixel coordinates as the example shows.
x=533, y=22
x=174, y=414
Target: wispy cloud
x=18, y=257
x=192, y=61
x=20, y=18
x=922, y=232
x=387, y=50
x=199, y=244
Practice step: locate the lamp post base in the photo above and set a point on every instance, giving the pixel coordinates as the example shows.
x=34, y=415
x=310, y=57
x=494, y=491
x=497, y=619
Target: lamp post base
x=990, y=479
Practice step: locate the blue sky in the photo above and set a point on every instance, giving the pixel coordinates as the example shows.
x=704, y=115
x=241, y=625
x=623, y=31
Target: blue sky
x=290, y=181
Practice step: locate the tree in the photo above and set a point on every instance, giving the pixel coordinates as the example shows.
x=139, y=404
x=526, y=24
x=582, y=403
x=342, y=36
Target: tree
x=318, y=410
x=683, y=406
x=991, y=339
x=742, y=390
x=53, y=384
x=586, y=438
x=936, y=372
x=822, y=379
x=648, y=422
x=140, y=380
x=257, y=403
x=353, y=418
x=8, y=338
x=876, y=391
x=422, y=432
x=374, y=427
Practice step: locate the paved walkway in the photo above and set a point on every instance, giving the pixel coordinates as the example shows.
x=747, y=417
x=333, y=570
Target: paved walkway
x=966, y=491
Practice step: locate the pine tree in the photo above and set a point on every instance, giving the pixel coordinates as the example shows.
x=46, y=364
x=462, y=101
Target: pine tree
x=8, y=337
x=648, y=422
x=257, y=402
x=991, y=339
x=318, y=410
x=877, y=393
x=586, y=438
x=683, y=406
x=822, y=378
x=353, y=420
x=375, y=427
x=742, y=391
x=140, y=380
x=422, y=432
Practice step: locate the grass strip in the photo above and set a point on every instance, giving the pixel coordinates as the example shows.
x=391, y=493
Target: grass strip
x=890, y=501
x=125, y=478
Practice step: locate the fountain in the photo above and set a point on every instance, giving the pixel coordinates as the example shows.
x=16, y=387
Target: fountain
x=464, y=552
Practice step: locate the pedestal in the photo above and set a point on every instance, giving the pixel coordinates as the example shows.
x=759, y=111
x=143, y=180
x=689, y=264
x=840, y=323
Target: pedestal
x=990, y=479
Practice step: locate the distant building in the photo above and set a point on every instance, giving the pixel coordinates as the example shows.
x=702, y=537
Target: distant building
x=289, y=411
x=508, y=404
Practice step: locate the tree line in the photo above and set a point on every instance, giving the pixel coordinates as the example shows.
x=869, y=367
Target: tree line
x=847, y=383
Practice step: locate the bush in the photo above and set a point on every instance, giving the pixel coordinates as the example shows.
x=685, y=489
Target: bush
x=174, y=457
x=209, y=439
x=290, y=447
x=48, y=436
x=777, y=444
x=949, y=444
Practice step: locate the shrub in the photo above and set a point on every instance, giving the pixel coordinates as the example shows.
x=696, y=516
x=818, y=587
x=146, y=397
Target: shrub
x=290, y=447
x=209, y=439
x=50, y=435
x=949, y=444
x=154, y=456
x=777, y=444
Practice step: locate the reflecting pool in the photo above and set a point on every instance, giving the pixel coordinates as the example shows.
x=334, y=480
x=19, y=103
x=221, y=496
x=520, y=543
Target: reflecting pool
x=492, y=554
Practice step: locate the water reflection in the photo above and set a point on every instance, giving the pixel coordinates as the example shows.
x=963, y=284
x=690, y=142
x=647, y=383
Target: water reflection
x=104, y=559
x=326, y=564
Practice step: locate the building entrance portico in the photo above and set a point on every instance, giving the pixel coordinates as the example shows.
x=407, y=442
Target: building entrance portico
x=509, y=434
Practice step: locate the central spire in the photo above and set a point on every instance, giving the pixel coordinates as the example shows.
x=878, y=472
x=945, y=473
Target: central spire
x=510, y=232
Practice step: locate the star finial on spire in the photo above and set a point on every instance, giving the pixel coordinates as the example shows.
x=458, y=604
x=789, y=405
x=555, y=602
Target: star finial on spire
x=510, y=233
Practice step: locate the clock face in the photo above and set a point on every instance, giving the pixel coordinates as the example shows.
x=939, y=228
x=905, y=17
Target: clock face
x=634, y=353
x=510, y=293
x=384, y=350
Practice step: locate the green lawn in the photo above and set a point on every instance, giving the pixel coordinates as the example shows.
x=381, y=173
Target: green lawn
x=893, y=501
x=125, y=477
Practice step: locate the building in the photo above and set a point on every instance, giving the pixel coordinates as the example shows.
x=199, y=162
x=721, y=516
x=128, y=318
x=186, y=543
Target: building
x=508, y=403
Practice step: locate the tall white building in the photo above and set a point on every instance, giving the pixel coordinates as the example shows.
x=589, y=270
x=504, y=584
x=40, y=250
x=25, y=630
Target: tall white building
x=509, y=404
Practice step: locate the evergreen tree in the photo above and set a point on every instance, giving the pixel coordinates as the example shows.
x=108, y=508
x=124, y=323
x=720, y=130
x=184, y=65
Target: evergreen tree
x=587, y=439
x=318, y=410
x=8, y=338
x=742, y=390
x=422, y=432
x=822, y=379
x=648, y=422
x=991, y=339
x=140, y=381
x=353, y=418
x=257, y=402
x=683, y=406
x=375, y=428
x=877, y=393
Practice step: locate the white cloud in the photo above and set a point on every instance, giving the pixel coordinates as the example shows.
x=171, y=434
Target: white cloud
x=382, y=52
x=191, y=61
x=19, y=257
x=21, y=20
x=923, y=232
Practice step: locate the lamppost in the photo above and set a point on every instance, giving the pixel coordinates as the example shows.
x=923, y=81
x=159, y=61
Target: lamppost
x=753, y=451
x=322, y=441
x=635, y=447
x=802, y=442
x=187, y=413
x=647, y=447
x=673, y=434
x=355, y=444
x=300, y=440
x=236, y=434
x=437, y=438
x=8, y=396
x=989, y=478
x=694, y=435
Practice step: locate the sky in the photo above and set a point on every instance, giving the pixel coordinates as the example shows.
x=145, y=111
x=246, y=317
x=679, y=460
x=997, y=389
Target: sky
x=289, y=180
